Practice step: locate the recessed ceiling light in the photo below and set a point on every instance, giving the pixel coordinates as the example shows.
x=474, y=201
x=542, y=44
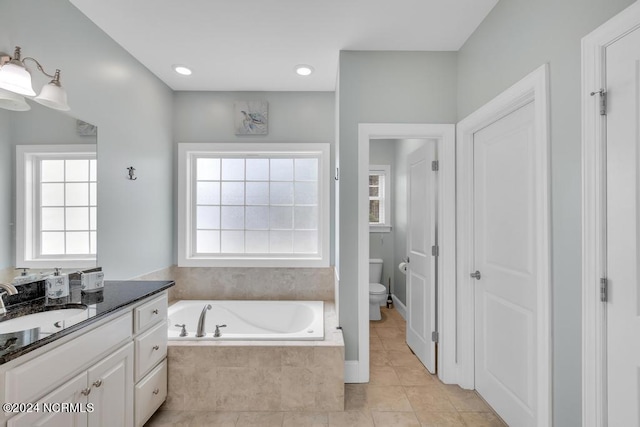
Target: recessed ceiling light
x=181, y=69
x=304, y=70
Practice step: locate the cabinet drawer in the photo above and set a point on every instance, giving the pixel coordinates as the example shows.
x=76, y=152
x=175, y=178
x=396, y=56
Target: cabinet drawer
x=150, y=393
x=151, y=347
x=150, y=313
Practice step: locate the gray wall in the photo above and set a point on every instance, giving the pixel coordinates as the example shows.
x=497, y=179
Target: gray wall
x=133, y=111
x=381, y=87
x=6, y=229
x=515, y=38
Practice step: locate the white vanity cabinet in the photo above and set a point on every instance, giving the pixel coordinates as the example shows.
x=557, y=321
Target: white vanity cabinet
x=97, y=372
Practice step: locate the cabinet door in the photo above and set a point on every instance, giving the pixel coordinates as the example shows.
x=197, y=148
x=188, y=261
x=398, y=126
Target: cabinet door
x=55, y=416
x=111, y=383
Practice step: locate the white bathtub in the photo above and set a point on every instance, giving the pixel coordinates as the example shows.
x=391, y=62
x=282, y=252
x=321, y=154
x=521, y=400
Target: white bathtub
x=249, y=320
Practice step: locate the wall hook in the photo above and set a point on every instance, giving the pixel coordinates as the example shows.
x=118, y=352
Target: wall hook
x=132, y=173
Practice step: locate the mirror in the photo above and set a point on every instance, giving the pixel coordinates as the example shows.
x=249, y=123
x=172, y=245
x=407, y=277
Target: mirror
x=45, y=128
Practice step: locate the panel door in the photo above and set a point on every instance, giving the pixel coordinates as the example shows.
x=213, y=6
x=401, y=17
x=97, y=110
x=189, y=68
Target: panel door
x=421, y=279
x=505, y=257
x=623, y=255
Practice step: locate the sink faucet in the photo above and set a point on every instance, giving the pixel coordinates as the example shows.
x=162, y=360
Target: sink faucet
x=200, y=332
x=8, y=290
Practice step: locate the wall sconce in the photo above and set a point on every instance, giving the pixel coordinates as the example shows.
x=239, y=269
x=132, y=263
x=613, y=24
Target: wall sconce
x=15, y=83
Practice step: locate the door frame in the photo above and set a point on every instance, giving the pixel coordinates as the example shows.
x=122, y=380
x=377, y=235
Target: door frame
x=445, y=134
x=594, y=312
x=532, y=88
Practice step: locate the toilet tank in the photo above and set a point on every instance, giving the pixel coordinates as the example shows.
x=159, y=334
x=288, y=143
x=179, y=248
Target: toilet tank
x=375, y=270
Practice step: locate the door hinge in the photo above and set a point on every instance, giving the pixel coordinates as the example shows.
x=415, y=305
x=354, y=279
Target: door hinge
x=435, y=250
x=604, y=289
x=603, y=101
x=435, y=166
x=435, y=336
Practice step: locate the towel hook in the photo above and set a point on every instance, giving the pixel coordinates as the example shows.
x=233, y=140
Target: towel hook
x=132, y=173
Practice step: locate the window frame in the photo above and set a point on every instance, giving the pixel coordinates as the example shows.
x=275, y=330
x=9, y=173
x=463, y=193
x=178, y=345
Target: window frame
x=385, y=172
x=27, y=229
x=188, y=152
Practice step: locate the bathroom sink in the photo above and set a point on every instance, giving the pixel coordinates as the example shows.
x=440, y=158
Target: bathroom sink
x=51, y=320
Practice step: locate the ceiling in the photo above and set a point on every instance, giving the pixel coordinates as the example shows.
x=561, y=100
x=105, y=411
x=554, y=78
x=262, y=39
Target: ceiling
x=254, y=45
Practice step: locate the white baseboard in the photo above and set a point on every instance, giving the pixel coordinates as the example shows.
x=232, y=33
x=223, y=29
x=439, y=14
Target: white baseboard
x=351, y=371
x=398, y=305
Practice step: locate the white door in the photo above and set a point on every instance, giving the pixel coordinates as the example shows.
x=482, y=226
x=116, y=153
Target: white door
x=623, y=256
x=421, y=279
x=505, y=259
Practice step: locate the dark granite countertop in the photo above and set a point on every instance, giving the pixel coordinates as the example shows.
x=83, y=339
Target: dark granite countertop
x=115, y=296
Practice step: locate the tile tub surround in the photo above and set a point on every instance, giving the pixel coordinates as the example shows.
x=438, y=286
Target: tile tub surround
x=258, y=375
x=220, y=283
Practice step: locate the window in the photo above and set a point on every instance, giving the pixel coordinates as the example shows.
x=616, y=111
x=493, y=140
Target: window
x=379, y=198
x=56, y=205
x=253, y=205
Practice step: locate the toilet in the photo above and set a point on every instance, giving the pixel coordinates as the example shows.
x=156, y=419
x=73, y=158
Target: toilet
x=377, y=291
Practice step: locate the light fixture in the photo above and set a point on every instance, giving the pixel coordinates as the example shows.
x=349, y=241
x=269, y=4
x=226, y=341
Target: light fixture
x=304, y=70
x=15, y=77
x=12, y=101
x=183, y=70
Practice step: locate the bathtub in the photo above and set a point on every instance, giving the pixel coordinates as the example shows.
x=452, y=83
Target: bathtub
x=249, y=320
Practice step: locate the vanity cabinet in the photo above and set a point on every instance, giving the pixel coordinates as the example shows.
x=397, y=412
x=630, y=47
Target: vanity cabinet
x=113, y=373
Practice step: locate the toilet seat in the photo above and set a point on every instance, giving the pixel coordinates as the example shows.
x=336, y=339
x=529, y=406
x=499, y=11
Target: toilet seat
x=377, y=288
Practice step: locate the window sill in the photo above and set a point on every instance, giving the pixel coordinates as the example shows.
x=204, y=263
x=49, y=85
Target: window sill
x=379, y=229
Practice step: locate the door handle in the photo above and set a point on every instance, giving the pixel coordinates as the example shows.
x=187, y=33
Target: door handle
x=475, y=275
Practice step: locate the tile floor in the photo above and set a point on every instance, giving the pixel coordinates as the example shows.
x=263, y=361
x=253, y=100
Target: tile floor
x=401, y=393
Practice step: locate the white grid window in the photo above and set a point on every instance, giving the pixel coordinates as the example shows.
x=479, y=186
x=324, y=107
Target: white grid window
x=379, y=198
x=263, y=205
x=57, y=205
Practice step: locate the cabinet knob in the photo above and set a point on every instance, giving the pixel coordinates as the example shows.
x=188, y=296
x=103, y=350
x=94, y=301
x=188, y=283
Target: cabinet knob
x=156, y=390
x=156, y=347
x=85, y=392
x=155, y=311
x=97, y=383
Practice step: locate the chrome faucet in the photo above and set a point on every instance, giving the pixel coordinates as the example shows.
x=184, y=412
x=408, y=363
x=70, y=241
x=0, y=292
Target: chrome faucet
x=8, y=290
x=200, y=332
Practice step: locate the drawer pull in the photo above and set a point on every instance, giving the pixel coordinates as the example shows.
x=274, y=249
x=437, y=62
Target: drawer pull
x=155, y=311
x=156, y=347
x=86, y=392
x=97, y=383
x=156, y=390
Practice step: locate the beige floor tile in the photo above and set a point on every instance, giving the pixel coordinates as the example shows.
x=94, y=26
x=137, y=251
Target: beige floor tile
x=379, y=358
x=415, y=376
x=375, y=343
x=395, y=419
x=424, y=399
x=355, y=397
x=260, y=419
x=388, y=398
x=384, y=333
x=305, y=419
x=466, y=400
x=481, y=419
x=383, y=375
x=350, y=419
x=397, y=343
x=214, y=419
x=440, y=419
x=404, y=358
x=170, y=418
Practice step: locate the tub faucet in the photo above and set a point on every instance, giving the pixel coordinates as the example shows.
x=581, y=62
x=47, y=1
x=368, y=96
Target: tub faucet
x=8, y=290
x=200, y=332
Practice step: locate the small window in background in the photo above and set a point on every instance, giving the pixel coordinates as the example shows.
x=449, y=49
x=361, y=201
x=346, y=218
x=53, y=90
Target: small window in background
x=379, y=198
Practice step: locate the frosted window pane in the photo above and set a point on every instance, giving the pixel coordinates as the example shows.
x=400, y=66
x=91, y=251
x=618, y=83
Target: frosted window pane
x=78, y=243
x=208, y=217
x=52, y=194
x=93, y=243
x=281, y=217
x=208, y=169
x=257, y=193
x=281, y=241
x=52, y=218
x=232, y=242
x=93, y=194
x=257, y=242
x=52, y=243
x=93, y=170
x=257, y=169
x=208, y=193
x=233, y=169
x=52, y=170
x=232, y=217
x=282, y=193
x=257, y=218
x=77, y=194
x=77, y=170
x=93, y=221
x=306, y=193
x=305, y=217
x=208, y=241
x=282, y=169
x=306, y=169
x=77, y=218
x=233, y=193
x=305, y=242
